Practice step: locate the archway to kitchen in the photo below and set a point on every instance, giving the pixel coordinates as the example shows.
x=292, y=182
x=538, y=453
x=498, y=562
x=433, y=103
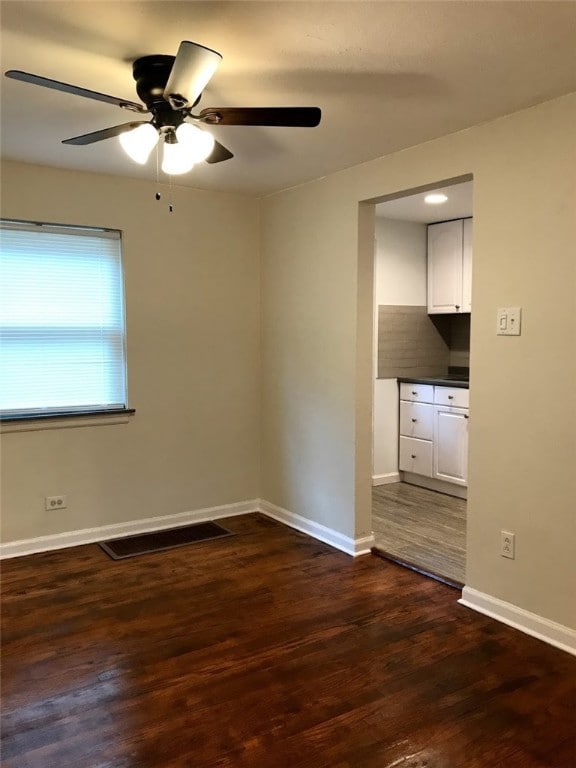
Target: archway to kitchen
x=421, y=365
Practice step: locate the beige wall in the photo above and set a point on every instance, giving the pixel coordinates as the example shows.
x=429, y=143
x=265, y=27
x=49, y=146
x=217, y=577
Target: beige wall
x=308, y=337
x=317, y=253
x=400, y=263
x=192, y=297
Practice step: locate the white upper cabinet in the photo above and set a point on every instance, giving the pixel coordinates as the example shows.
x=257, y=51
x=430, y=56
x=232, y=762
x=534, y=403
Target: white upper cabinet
x=449, y=266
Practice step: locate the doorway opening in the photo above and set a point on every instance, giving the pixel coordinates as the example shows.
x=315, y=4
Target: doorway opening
x=421, y=364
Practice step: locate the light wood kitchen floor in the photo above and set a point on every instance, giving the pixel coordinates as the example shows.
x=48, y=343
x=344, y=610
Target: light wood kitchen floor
x=421, y=527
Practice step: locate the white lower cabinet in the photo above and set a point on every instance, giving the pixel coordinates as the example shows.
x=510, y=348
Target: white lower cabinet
x=433, y=440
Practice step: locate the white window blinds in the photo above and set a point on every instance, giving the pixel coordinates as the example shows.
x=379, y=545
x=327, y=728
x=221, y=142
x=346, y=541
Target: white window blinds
x=61, y=320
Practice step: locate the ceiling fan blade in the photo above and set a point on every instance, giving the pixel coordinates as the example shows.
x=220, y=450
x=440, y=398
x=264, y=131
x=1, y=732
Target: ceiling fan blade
x=75, y=90
x=219, y=154
x=296, y=117
x=105, y=133
x=192, y=69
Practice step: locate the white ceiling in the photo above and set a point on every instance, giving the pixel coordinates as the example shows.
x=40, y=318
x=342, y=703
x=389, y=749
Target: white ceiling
x=387, y=75
x=413, y=207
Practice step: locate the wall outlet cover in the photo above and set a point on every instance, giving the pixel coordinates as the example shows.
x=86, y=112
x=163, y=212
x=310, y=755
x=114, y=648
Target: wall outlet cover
x=54, y=502
x=507, y=544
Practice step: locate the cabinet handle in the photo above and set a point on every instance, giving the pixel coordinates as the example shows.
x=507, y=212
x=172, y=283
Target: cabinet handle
x=414, y=393
x=414, y=421
x=465, y=415
x=450, y=397
x=413, y=455
x=457, y=306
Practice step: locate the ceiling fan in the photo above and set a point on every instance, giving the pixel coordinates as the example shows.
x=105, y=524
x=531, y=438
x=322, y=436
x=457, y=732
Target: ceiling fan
x=170, y=87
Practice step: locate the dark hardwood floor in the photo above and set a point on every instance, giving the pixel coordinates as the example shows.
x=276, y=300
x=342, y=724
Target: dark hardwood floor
x=267, y=650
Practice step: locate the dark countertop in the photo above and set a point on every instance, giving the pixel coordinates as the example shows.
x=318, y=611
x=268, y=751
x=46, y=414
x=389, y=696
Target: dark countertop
x=438, y=381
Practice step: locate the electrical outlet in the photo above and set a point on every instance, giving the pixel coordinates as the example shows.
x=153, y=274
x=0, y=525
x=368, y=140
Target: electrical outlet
x=507, y=544
x=54, y=502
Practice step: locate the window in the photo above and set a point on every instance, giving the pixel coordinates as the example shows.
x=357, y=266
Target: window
x=61, y=321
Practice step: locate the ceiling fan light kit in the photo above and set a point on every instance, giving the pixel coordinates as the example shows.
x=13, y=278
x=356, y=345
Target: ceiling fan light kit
x=170, y=88
x=182, y=148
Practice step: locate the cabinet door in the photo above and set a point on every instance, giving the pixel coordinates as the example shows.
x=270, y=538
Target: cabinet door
x=467, y=266
x=445, y=267
x=451, y=444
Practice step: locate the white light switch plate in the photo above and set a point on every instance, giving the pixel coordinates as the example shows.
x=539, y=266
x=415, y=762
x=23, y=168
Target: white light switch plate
x=508, y=321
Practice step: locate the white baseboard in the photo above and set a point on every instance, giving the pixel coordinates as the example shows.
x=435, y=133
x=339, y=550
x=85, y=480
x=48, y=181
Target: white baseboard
x=117, y=530
x=388, y=477
x=354, y=547
x=530, y=623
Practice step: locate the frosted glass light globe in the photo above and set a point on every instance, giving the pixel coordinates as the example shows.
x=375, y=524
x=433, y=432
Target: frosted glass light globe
x=198, y=143
x=176, y=159
x=139, y=142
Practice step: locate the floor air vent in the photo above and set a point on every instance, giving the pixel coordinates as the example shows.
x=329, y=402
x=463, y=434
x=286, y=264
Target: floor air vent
x=157, y=541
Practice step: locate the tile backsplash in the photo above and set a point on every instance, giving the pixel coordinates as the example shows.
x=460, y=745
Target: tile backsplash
x=459, y=340
x=413, y=343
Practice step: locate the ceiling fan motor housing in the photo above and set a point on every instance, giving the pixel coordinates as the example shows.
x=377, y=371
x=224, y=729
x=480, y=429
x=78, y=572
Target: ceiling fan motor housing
x=151, y=74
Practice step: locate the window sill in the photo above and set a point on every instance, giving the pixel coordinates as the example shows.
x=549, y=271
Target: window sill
x=64, y=420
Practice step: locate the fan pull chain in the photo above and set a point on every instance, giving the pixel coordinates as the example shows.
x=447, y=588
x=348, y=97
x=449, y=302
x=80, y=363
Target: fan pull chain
x=157, y=162
x=158, y=195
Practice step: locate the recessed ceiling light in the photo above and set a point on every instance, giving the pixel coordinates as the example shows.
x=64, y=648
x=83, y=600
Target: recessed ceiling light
x=435, y=199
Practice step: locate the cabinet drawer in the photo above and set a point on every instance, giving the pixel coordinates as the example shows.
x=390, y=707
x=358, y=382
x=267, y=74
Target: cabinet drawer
x=415, y=456
x=421, y=393
x=454, y=396
x=417, y=420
